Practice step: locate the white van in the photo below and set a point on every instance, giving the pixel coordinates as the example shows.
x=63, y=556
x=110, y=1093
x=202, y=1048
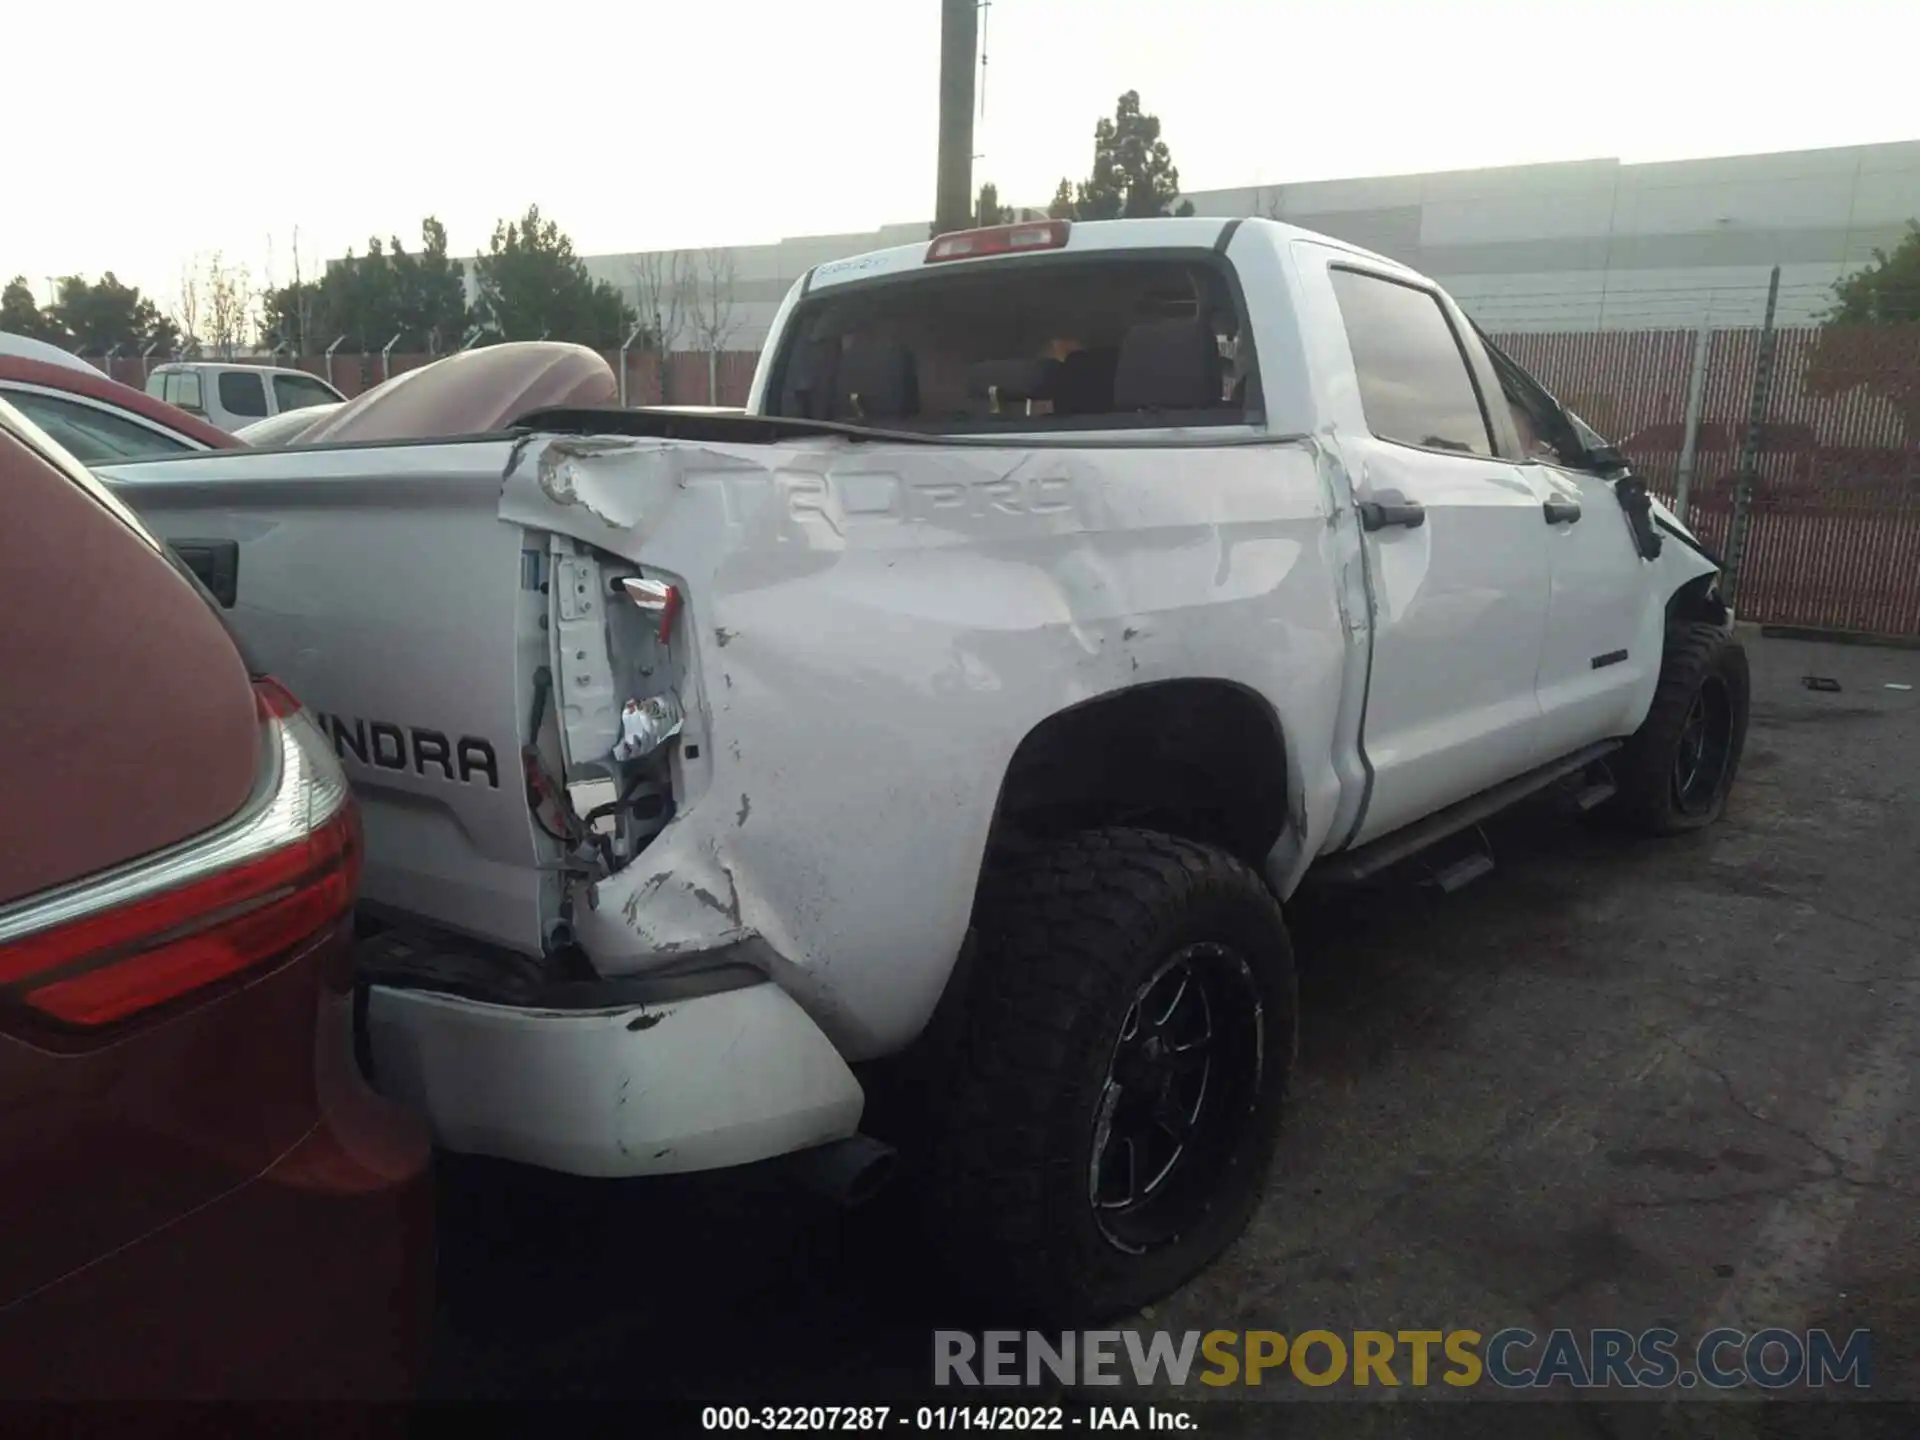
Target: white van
x=232, y=396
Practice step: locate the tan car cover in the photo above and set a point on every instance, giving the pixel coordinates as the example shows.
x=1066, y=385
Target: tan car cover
x=471, y=393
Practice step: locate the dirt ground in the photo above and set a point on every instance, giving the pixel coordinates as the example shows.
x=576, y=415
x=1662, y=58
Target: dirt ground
x=1614, y=1083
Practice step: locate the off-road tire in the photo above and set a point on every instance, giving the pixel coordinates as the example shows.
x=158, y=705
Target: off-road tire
x=1701, y=662
x=1069, y=932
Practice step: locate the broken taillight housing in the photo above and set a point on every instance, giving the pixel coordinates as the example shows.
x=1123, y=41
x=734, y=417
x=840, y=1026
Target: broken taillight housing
x=657, y=598
x=110, y=948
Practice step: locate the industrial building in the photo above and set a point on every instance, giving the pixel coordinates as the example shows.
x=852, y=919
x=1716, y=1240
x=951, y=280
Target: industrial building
x=1574, y=246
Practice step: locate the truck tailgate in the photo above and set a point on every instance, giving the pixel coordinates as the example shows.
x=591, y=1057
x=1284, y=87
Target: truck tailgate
x=381, y=586
x=455, y=614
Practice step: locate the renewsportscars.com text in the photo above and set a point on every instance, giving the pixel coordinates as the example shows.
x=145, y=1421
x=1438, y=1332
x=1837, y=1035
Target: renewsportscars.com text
x=1513, y=1358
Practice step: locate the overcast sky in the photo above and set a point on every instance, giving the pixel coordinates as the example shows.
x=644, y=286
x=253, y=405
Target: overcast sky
x=644, y=125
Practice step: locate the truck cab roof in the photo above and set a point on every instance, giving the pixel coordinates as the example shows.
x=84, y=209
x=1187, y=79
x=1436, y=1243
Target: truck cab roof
x=247, y=365
x=1170, y=232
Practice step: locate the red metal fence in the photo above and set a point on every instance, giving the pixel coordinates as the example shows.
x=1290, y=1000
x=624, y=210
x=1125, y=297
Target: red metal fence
x=1834, y=536
x=1834, y=539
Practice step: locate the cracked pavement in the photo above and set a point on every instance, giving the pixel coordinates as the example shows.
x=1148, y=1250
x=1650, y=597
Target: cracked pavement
x=1615, y=1083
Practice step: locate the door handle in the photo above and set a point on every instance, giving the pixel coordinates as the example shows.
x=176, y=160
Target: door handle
x=1562, y=512
x=1379, y=514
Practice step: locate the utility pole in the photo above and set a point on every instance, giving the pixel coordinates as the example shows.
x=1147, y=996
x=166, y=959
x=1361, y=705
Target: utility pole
x=1690, y=439
x=953, y=204
x=1747, y=472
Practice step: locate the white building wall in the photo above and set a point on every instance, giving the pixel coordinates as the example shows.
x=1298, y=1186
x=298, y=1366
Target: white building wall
x=1575, y=246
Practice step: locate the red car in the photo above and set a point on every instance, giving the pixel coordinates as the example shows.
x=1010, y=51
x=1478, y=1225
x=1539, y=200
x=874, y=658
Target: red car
x=95, y=419
x=202, y=1197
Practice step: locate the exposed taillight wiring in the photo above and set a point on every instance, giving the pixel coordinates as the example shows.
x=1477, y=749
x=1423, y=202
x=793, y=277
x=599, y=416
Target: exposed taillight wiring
x=540, y=785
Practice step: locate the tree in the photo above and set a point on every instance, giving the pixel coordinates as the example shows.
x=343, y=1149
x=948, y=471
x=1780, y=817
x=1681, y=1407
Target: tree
x=430, y=292
x=663, y=285
x=289, y=316
x=1887, y=292
x=229, y=292
x=20, y=314
x=711, y=311
x=988, y=210
x=1061, y=206
x=359, y=298
x=107, y=314
x=355, y=300
x=532, y=286
x=371, y=298
x=1133, y=174
x=287, y=312
x=186, y=306
x=1871, y=336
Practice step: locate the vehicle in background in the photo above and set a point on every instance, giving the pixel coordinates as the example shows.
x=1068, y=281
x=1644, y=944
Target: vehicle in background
x=285, y=428
x=203, y=1198
x=98, y=420
x=25, y=347
x=233, y=395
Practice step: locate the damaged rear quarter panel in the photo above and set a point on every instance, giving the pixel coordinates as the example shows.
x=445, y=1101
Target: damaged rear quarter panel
x=897, y=618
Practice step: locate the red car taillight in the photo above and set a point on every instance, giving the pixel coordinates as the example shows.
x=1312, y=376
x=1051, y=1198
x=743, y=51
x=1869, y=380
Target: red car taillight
x=212, y=908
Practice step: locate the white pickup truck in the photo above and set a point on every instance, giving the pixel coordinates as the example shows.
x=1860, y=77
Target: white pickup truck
x=1068, y=595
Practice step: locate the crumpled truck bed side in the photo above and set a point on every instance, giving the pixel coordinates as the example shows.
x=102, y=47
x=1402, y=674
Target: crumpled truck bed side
x=877, y=626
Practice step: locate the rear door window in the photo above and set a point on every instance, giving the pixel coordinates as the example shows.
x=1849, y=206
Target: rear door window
x=296, y=392
x=1035, y=343
x=1415, y=387
x=242, y=393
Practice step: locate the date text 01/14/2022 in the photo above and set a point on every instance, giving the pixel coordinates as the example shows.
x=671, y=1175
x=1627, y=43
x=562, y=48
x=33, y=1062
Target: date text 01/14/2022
x=817, y=1419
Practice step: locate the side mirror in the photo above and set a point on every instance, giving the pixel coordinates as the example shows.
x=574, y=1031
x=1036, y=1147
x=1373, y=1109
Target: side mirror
x=1607, y=459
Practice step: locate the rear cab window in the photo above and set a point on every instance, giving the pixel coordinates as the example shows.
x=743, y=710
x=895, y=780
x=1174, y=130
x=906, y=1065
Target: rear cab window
x=243, y=393
x=1097, y=340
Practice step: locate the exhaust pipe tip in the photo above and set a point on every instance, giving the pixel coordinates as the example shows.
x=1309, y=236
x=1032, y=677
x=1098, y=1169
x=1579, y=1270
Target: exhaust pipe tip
x=848, y=1172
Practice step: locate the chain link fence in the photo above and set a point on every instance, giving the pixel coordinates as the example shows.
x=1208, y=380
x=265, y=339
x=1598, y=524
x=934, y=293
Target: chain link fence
x=1832, y=531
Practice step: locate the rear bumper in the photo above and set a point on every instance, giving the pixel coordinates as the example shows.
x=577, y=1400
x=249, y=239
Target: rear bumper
x=694, y=1082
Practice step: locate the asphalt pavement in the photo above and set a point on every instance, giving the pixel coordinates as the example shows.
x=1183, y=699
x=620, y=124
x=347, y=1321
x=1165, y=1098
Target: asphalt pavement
x=1615, y=1083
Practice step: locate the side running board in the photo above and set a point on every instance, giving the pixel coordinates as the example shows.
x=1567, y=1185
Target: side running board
x=1376, y=855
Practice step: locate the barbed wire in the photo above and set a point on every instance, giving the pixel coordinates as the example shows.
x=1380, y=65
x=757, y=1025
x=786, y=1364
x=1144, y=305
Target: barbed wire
x=1794, y=306
x=1461, y=289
